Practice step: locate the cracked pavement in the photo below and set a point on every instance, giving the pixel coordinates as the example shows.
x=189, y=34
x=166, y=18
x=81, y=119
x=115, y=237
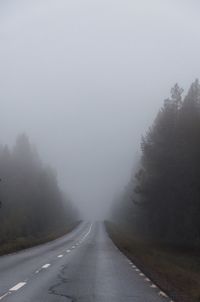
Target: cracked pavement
x=91, y=269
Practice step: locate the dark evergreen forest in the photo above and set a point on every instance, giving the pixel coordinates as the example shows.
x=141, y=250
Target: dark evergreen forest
x=165, y=192
x=32, y=205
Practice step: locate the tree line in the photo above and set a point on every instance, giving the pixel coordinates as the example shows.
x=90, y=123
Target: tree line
x=165, y=192
x=32, y=204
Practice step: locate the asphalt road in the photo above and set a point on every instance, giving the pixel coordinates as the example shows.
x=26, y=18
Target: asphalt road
x=83, y=266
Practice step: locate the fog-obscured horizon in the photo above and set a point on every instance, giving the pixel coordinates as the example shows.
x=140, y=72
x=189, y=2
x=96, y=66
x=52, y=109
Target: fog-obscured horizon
x=85, y=79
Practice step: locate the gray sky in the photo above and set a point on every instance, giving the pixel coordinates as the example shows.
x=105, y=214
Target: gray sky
x=84, y=79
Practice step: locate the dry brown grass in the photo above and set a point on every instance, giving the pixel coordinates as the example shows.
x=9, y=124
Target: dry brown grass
x=21, y=243
x=176, y=271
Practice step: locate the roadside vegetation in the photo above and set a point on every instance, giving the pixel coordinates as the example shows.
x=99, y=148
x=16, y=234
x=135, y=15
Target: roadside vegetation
x=160, y=208
x=168, y=182
x=175, y=271
x=33, y=208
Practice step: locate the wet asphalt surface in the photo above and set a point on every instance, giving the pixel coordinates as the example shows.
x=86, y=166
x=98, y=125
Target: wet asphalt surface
x=83, y=266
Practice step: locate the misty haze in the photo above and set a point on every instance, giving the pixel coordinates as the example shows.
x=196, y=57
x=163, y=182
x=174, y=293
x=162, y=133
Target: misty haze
x=99, y=151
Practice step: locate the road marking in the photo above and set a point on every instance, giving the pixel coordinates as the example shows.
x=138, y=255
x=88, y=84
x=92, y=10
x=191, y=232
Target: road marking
x=46, y=265
x=17, y=286
x=163, y=294
x=79, y=242
x=21, y=284
x=153, y=286
x=5, y=295
x=88, y=231
x=160, y=293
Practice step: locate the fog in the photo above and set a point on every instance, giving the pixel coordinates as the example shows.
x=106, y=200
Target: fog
x=85, y=79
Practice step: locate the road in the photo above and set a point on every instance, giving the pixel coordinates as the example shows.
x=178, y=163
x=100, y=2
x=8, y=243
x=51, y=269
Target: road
x=83, y=266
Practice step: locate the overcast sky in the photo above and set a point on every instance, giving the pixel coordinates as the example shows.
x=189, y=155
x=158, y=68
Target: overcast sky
x=85, y=78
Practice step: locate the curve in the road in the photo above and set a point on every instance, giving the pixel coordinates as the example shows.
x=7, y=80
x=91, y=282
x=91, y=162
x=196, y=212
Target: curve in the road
x=84, y=266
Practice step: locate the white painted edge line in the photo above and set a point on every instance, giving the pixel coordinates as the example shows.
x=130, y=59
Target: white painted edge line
x=17, y=286
x=21, y=284
x=153, y=286
x=78, y=242
x=88, y=231
x=46, y=265
x=161, y=293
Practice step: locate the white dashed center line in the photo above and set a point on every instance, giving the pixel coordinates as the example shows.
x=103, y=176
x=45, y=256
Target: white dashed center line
x=5, y=295
x=46, y=265
x=17, y=286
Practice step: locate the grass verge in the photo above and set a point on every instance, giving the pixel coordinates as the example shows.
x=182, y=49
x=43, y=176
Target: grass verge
x=175, y=271
x=21, y=243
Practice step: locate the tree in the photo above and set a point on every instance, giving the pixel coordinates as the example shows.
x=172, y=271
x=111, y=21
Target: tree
x=34, y=205
x=168, y=183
